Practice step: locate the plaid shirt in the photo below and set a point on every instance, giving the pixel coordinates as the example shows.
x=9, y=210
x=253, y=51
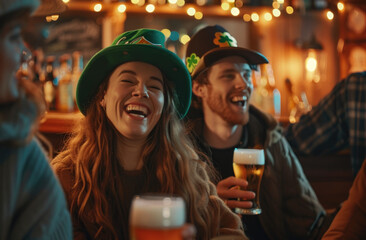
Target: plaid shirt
x=337, y=122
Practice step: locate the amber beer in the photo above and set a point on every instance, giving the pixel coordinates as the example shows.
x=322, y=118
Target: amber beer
x=157, y=217
x=248, y=164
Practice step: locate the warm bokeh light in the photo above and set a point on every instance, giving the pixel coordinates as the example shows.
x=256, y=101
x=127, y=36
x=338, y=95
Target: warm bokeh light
x=255, y=17
x=225, y=6
x=280, y=1
x=230, y=1
x=66, y=1
x=201, y=2
x=184, y=39
x=134, y=1
x=239, y=3
x=246, y=17
x=276, y=12
x=289, y=10
x=54, y=17
x=198, y=15
x=311, y=63
x=191, y=11
x=166, y=32
x=276, y=5
x=141, y=3
x=48, y=18
x=172, y=1
x=340, y=6
x=235, y=11
x=330, y=15
x=121, y=8
x=97, y=7
x=181, y=3
x=267, y=17
x=340, y=45
x=150, y=8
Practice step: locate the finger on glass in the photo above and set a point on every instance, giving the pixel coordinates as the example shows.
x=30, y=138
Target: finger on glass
x=248, y=164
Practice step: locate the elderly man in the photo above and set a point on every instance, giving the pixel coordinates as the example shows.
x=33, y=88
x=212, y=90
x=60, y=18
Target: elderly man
x=32, y=203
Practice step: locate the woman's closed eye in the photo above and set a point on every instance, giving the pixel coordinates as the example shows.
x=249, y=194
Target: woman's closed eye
x=127, y=81
x=160, y=88
x=155, y=84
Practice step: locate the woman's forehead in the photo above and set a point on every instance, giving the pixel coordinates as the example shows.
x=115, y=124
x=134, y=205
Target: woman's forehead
x=138, y=67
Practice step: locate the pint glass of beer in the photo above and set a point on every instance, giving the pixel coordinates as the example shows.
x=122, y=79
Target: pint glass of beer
x=248, y=164
x=157, y=217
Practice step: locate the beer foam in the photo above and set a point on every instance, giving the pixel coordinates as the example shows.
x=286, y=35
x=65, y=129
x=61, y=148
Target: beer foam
x=249, y=156
x=157, y=212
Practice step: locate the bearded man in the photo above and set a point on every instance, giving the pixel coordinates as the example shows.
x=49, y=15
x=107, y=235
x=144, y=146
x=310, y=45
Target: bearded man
x=223, y=119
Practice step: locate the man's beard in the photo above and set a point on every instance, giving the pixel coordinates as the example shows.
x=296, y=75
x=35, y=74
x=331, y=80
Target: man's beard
x=221, y=107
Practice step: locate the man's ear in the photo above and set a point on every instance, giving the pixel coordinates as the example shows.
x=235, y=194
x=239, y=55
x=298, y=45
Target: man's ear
x=198, y=89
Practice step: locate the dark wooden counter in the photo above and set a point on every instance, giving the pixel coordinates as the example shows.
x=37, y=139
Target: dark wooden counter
x=330, y=176
x=55, y=122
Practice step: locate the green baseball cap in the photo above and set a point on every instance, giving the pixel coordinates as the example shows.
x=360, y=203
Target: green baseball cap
x=143, y=45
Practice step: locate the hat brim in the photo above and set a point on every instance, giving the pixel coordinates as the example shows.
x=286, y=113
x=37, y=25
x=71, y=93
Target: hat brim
x=212, y=56
x=50, y=7
x=105, y=61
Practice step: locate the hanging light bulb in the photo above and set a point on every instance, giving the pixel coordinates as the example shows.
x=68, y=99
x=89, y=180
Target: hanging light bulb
x=313, y=56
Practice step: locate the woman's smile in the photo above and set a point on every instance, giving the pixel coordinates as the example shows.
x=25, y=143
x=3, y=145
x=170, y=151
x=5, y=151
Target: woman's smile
x=141, y=95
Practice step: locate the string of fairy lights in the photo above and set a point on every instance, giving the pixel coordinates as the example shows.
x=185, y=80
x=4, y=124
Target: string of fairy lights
x=232, y=8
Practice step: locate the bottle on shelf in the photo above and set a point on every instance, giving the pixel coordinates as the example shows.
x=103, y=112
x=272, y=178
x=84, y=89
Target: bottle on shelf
x=65, y=85
x=265, y=95
x=296, y=106
x=50, y=84
x=78, y=66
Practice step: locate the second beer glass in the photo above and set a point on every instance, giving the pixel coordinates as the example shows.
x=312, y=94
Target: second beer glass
x=248, y=164
x=157, y=217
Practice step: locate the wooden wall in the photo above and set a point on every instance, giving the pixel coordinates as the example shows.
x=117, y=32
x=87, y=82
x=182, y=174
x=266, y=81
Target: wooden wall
x=276, y=40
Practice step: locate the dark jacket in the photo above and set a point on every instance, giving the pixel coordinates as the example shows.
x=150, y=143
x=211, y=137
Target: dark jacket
x=290, y=208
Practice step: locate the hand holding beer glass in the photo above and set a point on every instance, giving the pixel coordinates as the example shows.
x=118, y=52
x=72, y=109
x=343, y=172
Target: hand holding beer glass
x=157, y=217
x=248, y=164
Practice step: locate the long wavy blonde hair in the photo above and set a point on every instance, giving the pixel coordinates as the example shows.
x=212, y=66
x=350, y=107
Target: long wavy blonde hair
x=169, y=156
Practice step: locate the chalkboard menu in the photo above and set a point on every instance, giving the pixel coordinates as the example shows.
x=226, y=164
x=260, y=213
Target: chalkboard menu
x=75, y=32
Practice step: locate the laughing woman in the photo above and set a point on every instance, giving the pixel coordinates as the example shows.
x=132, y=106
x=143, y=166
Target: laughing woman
x=133, y=95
